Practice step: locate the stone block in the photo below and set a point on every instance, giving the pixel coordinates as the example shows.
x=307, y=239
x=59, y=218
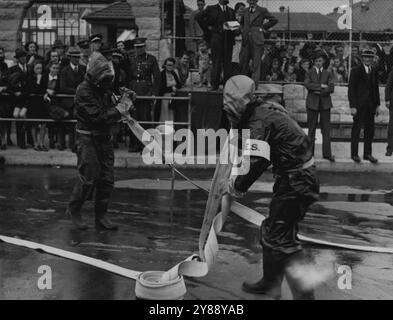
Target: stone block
x=340, y=93
x=294, y=91
x=295, y=105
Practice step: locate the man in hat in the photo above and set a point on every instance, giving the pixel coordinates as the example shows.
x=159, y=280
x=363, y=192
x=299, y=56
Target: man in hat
x=96, y=42
x=70, y=78
x=84, y=47
x=364, y=101
x=96, y=113
x=212, y=21
x=320, y=85
x=144, y=77
x=17, y=79
x=277, y=139
x=60, y=48
x=256, y=21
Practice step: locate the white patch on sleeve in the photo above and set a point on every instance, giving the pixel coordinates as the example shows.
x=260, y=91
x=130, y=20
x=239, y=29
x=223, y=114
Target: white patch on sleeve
x=257, y=148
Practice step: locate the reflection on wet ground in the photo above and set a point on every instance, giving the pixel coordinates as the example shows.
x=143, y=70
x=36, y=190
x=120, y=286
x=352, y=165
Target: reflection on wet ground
x=160, y=227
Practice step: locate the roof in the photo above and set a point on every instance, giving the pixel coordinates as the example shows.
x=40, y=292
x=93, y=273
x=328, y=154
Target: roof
x=301, y=21
x=120, y=10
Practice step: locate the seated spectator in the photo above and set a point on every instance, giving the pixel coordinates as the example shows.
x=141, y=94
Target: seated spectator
x=203, y=59
x=169, y=84
x=183, y=67
x=17, y=86
x=290, y=75
x=70, y=78
x=31, y=49
x=36, y=87
x=5, y=103
x=53, y=57
x=275, y=73
x=339, y=71
x=301, y=72
x=55, y=110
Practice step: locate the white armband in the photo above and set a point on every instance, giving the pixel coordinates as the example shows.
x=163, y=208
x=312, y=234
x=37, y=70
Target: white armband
x=257, y=148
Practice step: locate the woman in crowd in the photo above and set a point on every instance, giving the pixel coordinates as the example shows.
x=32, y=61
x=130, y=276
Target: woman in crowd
x=5, y=107
x=275, y=73
x=31, y=49
x=37, y=84
x=290, y=75
x=55, y=109
x=169, y=84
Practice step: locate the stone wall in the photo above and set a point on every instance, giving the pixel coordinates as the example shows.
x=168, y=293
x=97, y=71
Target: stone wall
x=295, y=101
x=11, y=13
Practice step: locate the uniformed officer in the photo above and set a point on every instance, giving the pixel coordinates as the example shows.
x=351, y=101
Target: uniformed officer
x=144, y=79
x=96, y=42
x=96, y=111
x=277, y=139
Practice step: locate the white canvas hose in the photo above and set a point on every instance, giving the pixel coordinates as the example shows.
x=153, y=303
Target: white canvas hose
x=170, y=285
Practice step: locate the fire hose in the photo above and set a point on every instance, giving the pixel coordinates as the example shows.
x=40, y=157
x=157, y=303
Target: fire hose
x=170, y=284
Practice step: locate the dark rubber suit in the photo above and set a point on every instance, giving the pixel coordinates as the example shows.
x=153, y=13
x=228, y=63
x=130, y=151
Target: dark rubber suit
x=96, y=114
x=295, y=188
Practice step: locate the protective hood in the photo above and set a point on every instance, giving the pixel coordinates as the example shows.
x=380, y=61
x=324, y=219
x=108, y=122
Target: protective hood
x=238, y=93
x=98, y=68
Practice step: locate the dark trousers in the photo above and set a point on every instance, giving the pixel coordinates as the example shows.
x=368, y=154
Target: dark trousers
x=95, y=168
x=292, y=195
x=21, y=134
x=221, y=58
x=365, y=118
x=251, y=51
x=390, y=131
x=312, y=122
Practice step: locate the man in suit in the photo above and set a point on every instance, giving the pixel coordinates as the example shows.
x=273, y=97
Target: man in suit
x=212, y=20
x=254, y=27
x=389, y=105
x=320, y=85
x=364, y=101
x=70, y=78
x=195, y=29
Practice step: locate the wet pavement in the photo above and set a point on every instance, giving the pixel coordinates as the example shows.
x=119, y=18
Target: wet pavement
x=160, y=227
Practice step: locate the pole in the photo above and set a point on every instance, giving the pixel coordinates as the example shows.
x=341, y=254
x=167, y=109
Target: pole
x=350, y=39
x=174, y=29
x=289, y=25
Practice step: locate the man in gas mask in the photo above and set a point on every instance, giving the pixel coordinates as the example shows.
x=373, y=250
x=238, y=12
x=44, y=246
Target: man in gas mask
x=275, y=139
x=97, y=110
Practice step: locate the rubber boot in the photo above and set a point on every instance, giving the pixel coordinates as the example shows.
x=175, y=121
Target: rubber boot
x=295, y=281
x=102, y=222
x=273, y=274
x=77, y=220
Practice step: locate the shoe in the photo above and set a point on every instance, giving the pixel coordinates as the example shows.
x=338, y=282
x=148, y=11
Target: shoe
x=388, y=153
x=105, y=224
x=331, y=158
x=60, y=147
x=45, y=149
x=37, y=148
x=371, y=159
x=9, y=142
x=273, y=274
x=78, y=221
x=214, y=88
x=52, y=145
x=356, y=159
x=3, y=147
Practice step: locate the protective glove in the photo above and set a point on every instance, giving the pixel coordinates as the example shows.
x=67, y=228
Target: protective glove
x=126, y=104
x=229, y=188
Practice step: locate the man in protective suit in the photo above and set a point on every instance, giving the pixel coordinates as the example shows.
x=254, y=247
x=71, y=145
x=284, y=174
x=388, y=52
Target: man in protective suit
x=97, y=110
x=275, y=138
